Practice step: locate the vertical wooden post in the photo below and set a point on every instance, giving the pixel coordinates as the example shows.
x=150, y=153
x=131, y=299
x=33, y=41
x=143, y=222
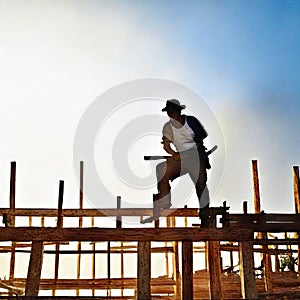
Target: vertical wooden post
x=167, y=253
x=268, y=266
x=214, y=264
x=277, y=263
x=187, y=270
x=34, y=269
x=156, y=210
x=245, y=207
x=60, y=204
x=108, y=292
x=93, y=259
x=144, y=271
x=257, y=207
x=11, y=220
x=119, y=218
x=296, y=189
x=176, y=269
x=297, y=205
x=80, y=223
x=122, y=267
x=247, y=271
x=59, y=225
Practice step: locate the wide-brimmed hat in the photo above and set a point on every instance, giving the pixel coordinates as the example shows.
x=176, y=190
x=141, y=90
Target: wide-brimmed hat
x=173, y=103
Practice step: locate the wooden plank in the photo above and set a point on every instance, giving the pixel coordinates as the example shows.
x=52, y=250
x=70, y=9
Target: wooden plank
x=80, y=222
x=257, y=207
x=119, y=218
x=280, y=218
x=269, y=227
x=214, y=266
x=48, y=234
x=34, y=269
x=187, y=269
x=12, y=193
x=60, y=204
x=90, y=212
x=144, y=271
x=176, y=272
x=296, y=189
x=59, y=225
x=11, y=219
x=297, y=205
x=176, y=269
x=116, y=251
x=247, y=271
x=99, y=283
x=267, y=266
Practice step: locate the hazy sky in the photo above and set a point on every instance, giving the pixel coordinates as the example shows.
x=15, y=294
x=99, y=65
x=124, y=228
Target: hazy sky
x=241, y=57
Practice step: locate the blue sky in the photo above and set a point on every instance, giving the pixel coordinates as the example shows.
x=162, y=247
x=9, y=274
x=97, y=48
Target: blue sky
x=242, y=57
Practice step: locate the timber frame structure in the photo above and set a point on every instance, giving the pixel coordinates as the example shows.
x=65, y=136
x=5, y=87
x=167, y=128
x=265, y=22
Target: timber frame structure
x=245, y=234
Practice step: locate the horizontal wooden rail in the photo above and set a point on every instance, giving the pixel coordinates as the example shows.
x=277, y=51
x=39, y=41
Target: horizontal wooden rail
x=117, y=251
x=263, y=222
x=98, y=283
x=109, y=212
x=262, y=217
x=46, y=234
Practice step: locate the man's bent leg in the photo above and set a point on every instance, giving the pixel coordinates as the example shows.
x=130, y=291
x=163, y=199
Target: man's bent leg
x=166, y=171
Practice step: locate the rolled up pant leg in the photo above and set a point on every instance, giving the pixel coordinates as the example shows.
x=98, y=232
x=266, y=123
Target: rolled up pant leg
x=166, y=172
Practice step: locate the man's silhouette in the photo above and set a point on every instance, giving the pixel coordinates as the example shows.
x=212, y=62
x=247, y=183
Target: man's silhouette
x=186, y=134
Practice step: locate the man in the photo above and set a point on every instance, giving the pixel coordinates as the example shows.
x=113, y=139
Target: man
x=186, y=134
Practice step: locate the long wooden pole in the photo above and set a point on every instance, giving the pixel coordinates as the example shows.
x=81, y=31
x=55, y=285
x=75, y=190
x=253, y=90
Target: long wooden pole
x=93, y=258
x=144, y=271
x=34, y=269
x=50, y=234
x=176, y=269
x=80, y=222
x=187, y=270
x=247, y=271
x=296, y=189
x=257, y=207
x=59, y=225
x=297, y=205
x=11, y=221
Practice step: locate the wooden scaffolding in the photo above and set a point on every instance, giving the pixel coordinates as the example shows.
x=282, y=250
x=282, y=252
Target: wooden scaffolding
x=177, y=238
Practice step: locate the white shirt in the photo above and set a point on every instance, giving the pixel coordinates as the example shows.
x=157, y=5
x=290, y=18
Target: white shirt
x=182, y=138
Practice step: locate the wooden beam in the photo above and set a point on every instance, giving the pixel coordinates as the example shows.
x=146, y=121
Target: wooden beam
x=119, y=218
x=257, y=207
x=247, y=271
x=11, y=219
x=296, y=189
x=107, y=212
x=214, y=266
x=144, y=271
x=297, y=205
x=34, y=269
x=59, y=225
x=187, y=269
x=80, y=222
x=50, y=234
x=60, y=204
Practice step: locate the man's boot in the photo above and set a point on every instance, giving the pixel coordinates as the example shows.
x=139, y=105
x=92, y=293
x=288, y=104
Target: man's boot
x=205, y=217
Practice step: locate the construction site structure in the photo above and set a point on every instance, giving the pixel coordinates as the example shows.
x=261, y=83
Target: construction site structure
x=176, y=243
